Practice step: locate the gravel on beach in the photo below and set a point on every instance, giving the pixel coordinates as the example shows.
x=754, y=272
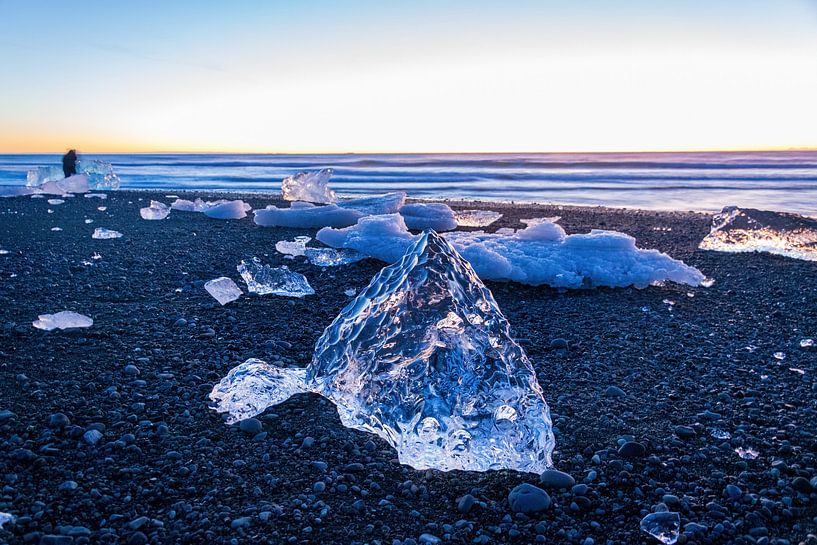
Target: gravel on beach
x=106, y=435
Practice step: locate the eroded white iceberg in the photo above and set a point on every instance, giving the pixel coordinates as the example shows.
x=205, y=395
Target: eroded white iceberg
x=423, y=358
x=62, y=320
x=433, y=215
x=539, y=254
x=749, y=230
x=309, y=187
x=230, y=210
x=223, y=289
x=265, y=280
x=476, y=218
x=156, y=211
x=388, y=203
x=102, y=233
x=306, y=215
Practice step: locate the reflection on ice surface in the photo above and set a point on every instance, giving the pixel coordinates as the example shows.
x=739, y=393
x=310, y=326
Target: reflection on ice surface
x=750, y=230
x=476, y=218
x=309, y=187
x=265, y=280
x=423, y=358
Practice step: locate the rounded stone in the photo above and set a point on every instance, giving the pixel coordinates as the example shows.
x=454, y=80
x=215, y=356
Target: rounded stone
x=58, y=420
x=527, y=498
x=632, y=449
x=250, y=425
x=554, y=478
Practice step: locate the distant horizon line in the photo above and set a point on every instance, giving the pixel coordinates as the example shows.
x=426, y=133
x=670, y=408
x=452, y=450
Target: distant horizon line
x=223, y=152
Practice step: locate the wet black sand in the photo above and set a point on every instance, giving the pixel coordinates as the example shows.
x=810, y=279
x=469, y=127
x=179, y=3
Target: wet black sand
x=168, y=470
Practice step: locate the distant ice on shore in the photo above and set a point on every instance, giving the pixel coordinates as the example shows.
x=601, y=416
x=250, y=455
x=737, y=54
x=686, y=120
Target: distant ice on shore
x=749, y=230
x=219, y=209
x=539, y=254
x=306, y=215
x=62, y=320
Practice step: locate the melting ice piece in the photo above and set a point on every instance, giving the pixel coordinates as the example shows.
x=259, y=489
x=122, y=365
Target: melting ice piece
x=228, y=210
x=432, y=215
x=55, y=202
x=223, y=289
x=720, y=434
x=389, y=203
x=100, y=174
x=806, y=343
x=329, y=257
x=539, y=254
x=264, y=280
x=423, y=358
x=5, y=517
x=747, y=453
x=62, y=320
x=156, y=211
x=664, y=526
x=476, y=218
x=102, y=233
x=102, y=196
x=42, y=175
x=529, y=222
x=306, y=215
x=749, y=230
x=309, y=187
x=293, y=247
x=189, y=206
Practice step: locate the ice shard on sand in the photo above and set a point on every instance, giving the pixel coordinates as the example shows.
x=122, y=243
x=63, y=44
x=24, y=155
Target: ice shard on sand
x=265, y=280
x=156, y=211
x=423, y=358
x=62, y=320
x=309, y=187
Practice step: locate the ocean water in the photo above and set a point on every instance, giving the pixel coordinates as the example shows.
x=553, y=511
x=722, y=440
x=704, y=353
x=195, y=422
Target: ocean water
x=783, y=181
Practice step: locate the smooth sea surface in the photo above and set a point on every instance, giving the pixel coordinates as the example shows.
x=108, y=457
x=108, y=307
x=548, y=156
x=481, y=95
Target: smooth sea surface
x=782, y=181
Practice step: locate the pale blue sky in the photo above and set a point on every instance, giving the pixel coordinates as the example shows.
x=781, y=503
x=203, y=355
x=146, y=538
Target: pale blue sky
x=411, y=76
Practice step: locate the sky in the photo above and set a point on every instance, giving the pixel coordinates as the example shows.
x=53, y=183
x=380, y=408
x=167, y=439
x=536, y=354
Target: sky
x=311, y=76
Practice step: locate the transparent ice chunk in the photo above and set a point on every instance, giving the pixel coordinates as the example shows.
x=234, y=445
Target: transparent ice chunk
x=432, y=215
x=309, y=187
x=747, y=453
x=41, y=175
x=102, y=233
x=720, y=434
x=423, y=358
x=156, y=211
x=223, y=289
x=62, y=320
x=295, y=247
x=55, y=202
x=389, y=203
x=329, y=257
x=476, y=218
x=665, y=526
x=806, y=343
x=100, y=174
x=227, y=210
x=265, y=280
x=749, y=230
x=306, y=215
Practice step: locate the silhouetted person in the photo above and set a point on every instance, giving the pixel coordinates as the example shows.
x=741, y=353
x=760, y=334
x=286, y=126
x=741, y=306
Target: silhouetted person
x=69, y=163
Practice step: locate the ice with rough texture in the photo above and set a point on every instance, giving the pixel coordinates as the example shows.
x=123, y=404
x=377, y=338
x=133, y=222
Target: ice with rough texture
x=156, y=211
x=100, y=174
x=265, y=280
x=228, y=210
x=423, y=358
x=476, y=218
x=5, y=518
x=184, y=205
x=539, y=254
x=309, y=187
x=62, y=320
x=749, y=230
x=223, y=289
x=431, y=215
x=329, y=257
x=306, y=215
x=389, y=203
x=665, y=526
x=102, y=233
x=294, y=248
x=36, y=177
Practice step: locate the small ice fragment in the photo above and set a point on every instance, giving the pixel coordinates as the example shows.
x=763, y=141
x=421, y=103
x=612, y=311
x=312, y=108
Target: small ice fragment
x=156, y=211
x=171, y=196
x=96, y=256
x=223, y=289
x=55, y=202
x=798, y=371
x=263, y=279
x=309, y=187
x=664, y=526
x=708, y=282
x=88, y=220
x=294, y=247
x=101, y=208
x=102, y=233
x=668, y=302
x=349, y=293
x=56, y=228
x=62, y=320
x=645, y=309
x=328, y=257
x=806, y=343
x=50, y=211
x=720, y=434
x=5, y=517
x=101, y=196
x=433, y=215
x=229, y=210
x=780, y=356
x=4, y=252
x=747, y=453
x=476, y=218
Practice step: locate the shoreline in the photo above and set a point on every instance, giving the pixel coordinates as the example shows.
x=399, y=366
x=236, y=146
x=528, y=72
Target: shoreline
x=687, y=361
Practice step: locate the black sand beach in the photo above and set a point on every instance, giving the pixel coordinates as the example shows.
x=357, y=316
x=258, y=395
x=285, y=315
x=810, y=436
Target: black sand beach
x=168, y=470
